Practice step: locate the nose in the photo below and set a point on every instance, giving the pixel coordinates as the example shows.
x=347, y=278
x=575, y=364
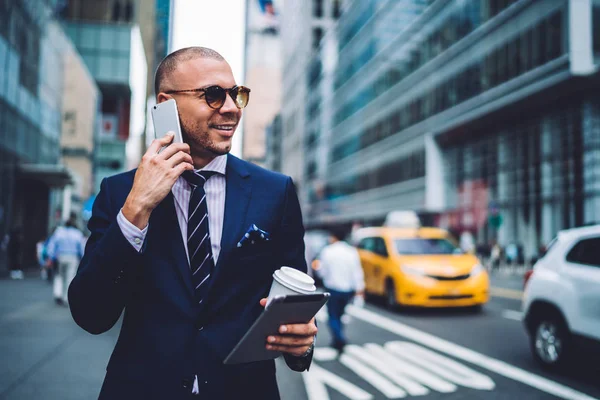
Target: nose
x=229, y=106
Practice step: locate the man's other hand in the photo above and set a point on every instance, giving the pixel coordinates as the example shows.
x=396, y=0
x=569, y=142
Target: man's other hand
x=294, y=339
x=154, y=178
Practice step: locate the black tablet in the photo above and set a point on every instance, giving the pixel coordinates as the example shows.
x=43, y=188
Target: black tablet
x=291, y=309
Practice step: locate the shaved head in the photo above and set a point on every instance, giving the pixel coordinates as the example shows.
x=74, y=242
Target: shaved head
x=169, y=64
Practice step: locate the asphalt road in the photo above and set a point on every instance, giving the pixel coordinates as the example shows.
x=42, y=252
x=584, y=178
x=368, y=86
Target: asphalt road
x=432, y=354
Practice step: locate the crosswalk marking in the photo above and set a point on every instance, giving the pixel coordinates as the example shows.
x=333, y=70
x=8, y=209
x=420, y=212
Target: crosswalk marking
x=317, y=378
x=382, y=384
x=417, y=374
x=466, y=354
x=442, y=366
x=325, y=354
x=413, y=388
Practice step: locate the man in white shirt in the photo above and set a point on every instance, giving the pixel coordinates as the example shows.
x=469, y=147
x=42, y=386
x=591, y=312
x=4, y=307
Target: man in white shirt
x=342, y=275
x=66, y=248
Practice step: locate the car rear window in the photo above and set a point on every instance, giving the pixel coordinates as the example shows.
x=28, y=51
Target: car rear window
x=421, y=246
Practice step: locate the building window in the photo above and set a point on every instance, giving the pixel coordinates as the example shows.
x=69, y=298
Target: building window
x=26, y=38
x=317, y=36
x=318, y=8
x=129, y=12
x=337, y=8
x=116, y=11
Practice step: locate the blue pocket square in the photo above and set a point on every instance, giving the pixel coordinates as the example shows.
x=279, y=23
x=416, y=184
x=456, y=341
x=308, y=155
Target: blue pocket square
x=253, y=234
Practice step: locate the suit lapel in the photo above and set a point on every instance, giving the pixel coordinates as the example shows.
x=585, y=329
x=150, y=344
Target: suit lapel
x=165, y=217
x=237, y=197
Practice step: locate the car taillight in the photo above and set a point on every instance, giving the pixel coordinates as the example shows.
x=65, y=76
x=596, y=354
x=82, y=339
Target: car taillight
x=526, y=277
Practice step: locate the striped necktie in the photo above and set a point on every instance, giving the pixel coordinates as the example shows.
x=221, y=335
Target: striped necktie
x=198, y=237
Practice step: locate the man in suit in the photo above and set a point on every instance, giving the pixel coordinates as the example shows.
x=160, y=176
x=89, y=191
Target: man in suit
x=163, y=247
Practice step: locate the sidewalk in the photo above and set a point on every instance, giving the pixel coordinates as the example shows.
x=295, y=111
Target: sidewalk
x=45, y=355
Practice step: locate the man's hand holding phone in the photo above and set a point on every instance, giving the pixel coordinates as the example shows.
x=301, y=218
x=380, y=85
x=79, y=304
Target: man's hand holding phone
x=154, y=178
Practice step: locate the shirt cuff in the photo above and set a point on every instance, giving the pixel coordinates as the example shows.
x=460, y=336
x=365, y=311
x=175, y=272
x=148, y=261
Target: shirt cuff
x=132, y=233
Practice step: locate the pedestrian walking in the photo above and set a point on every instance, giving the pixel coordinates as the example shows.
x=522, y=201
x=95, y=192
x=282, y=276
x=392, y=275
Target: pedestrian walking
x=495, y=255
x=15, y=254
x=168, y=245
x=342, y=274
x=65, y=248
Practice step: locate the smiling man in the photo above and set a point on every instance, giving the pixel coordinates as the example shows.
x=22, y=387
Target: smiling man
x=163, y=248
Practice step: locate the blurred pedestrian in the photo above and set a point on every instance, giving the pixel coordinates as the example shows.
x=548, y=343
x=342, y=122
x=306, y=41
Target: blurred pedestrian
x=467, y=242
x=65, y=248
x=512, y=253
x=495, y=254
x=343, y=277
x=15, y=254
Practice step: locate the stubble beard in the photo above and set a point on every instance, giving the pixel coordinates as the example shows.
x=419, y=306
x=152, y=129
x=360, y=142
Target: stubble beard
x=200, y=141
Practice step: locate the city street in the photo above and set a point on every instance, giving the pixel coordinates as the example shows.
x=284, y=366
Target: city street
x=445, y=354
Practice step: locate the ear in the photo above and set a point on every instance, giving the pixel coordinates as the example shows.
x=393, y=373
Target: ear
x=162, y=97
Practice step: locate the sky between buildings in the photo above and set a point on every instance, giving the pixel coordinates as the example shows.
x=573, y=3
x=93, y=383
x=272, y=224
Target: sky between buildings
x=218, y=24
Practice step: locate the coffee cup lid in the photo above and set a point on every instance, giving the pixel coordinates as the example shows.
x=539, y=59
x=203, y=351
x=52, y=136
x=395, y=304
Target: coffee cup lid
x=295, y=279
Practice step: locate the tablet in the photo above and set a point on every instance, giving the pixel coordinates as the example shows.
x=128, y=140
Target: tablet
x=291, y=309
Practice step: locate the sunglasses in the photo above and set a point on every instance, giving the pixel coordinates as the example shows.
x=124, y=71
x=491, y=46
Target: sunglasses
x=215, y=95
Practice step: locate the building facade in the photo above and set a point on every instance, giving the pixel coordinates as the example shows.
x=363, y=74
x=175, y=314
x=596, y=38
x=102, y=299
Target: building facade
x=115, y=56
x=32, y=49
x=262, y=74
x=80, y=124
x=479, y=115
x=303, y=26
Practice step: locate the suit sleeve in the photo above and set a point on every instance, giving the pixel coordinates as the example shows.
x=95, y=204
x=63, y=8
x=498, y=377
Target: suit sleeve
x=292, y=254
x=100, y=289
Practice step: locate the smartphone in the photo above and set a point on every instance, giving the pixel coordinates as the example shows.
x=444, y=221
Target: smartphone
x=166, y=119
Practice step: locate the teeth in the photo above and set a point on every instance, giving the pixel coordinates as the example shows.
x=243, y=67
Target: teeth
x=224, y=127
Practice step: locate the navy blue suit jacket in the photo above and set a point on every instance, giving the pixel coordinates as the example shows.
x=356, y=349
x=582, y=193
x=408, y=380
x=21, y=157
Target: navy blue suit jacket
x=166, y=338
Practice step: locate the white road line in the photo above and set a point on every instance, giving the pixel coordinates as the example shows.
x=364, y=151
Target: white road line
x=442, y=366
x=506, y=293
x=325, y=354
x=386, y=387
x=512, y=314
x=414, y=372
x=465, y=354
x=386, y=369
x=316, y=378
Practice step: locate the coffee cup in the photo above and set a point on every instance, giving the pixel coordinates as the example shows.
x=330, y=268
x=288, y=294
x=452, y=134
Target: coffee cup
x=288, y=280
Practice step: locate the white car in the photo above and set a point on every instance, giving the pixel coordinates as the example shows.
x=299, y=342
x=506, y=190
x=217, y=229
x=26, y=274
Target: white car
x=561, y=305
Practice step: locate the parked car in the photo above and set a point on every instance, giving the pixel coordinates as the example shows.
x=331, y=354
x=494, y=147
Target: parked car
x=420, y=267
x=561, y=303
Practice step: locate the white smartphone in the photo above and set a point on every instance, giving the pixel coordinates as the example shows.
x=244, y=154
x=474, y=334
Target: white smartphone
x=166, y=119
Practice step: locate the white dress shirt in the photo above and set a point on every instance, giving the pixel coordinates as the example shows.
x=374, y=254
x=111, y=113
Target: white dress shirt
x=340, y=268
x=215, y=202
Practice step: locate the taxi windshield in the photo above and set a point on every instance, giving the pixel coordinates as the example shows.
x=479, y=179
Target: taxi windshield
x=423, y=246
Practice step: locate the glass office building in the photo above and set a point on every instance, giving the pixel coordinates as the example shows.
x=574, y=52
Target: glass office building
x=478, y=109
x=114, y=54
x=31, y=90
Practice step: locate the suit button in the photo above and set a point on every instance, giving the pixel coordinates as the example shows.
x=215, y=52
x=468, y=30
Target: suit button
x=199, y=325
x=186, y=383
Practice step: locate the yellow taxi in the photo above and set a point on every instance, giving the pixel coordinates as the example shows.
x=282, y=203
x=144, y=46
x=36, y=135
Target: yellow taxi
x=420, y=267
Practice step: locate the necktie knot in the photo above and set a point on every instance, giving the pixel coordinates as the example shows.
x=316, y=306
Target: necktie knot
x=197, y=178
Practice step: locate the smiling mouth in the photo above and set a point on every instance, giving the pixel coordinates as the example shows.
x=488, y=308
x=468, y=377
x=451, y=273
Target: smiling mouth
x=227, y=128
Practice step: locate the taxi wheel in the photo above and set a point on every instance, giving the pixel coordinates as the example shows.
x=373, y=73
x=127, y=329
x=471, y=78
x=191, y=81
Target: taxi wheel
x=390, y=295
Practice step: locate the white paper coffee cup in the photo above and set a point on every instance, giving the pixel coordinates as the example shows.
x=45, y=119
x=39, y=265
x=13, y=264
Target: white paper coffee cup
x=288, y=280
